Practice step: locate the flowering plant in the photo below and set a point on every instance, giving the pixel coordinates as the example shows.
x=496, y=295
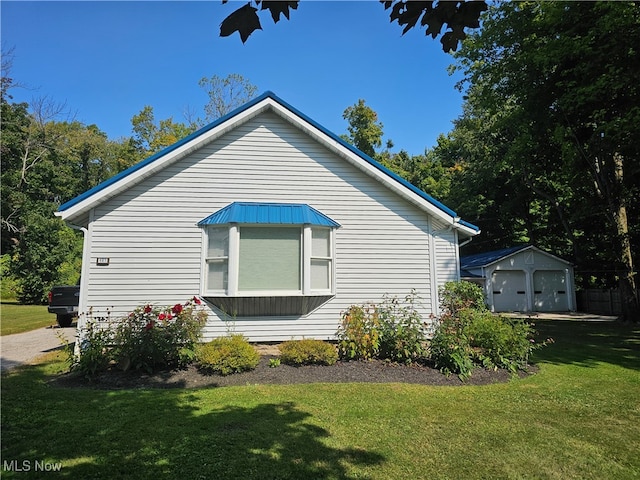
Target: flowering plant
x=154, y=337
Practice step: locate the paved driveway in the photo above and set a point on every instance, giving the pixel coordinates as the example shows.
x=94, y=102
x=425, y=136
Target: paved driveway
x=24, y=348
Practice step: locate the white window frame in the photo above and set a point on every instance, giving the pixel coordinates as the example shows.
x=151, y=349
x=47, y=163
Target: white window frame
x=233, y=263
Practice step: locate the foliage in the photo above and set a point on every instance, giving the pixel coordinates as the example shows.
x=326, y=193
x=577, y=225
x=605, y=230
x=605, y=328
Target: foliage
x=433, y=15
x=96, y=349
x=468, y=334
x=308, y=352
x=365, y=130
x=457, y=296
x=556, y=133
x=358, y=334
x=226, y=94
x=149, y=338
x=227, y=355
x=402, y=330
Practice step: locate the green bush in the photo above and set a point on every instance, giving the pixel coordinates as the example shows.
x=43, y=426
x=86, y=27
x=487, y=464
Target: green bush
x=402, y=331
x=468, y=335
x=457, y=296
x=308, y=352
x=500, y=342
x=449, y=347
x=358, y=335
x=227, y=355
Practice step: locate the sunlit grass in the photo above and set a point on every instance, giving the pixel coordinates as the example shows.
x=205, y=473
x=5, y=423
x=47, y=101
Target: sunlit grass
x=579, y=417
x=16, y=318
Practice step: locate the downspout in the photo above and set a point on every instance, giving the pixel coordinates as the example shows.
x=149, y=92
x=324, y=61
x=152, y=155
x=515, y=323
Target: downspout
x=84, y=275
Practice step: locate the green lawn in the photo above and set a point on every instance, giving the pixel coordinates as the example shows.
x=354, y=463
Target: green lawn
x=578, y=418
x=16, y=318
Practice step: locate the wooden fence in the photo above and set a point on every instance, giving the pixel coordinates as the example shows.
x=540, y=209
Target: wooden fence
x=602, y=302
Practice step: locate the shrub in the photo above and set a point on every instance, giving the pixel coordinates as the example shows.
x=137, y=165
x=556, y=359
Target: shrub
x=308, y=352
x=402, y=331
x=449, y=348
x=457, y=296
x=147, y=339
x=468, y=334
x=358, y=335
x=95, y=348
x=152, y=337
x=227, y=355
x=499, y=342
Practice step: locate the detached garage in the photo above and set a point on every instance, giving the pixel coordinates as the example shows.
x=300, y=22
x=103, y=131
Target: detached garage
x=522, y=279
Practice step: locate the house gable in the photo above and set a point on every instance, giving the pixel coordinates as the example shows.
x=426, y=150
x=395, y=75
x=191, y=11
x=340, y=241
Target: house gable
x=74, y=209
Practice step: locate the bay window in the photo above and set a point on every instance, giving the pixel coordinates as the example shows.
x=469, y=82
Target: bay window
x=268, y=250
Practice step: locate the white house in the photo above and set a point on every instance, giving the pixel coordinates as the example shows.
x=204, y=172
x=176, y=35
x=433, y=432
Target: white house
x=522, y=279
x=277, y=223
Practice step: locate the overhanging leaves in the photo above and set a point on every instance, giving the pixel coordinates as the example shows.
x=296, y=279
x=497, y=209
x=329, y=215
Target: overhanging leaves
x=245, y=20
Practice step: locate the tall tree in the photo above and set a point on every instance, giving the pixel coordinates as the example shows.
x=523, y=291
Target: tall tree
x=226, y=94
x=558, y=81
x=364, y=130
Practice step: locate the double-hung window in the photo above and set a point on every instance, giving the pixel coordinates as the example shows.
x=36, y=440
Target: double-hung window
x=268, y=250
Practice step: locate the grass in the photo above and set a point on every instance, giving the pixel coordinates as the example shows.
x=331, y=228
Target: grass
x=23, y=318
x=577, y=418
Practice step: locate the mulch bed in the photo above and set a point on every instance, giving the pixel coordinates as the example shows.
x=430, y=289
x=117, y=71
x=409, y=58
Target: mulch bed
x=374, y=371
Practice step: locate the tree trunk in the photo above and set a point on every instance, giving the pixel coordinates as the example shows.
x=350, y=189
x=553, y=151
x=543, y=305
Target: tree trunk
x=627, y=281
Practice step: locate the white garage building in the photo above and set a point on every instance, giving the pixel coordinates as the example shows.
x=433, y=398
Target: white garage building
x=522, y=279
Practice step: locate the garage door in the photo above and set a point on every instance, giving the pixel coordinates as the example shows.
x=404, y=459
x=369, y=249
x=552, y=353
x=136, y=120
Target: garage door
x=509, y=291
x=550, y=291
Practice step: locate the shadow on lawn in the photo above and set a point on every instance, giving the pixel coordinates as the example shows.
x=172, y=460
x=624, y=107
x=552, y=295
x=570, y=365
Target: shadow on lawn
x=164, y=434
x=588, y=343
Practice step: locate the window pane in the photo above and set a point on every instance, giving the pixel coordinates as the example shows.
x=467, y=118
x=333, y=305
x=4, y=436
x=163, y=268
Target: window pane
x=320, y=245
x=218, y=242
x=320, y=271
x=217, y=275
x=269, y=258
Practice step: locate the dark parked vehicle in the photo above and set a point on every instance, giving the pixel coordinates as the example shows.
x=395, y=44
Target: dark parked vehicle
x=63, y=301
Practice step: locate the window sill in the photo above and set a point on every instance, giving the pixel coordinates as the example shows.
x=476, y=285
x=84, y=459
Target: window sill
x=268, y=306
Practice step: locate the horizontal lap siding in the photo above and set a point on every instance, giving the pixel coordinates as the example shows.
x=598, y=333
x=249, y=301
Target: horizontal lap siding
x=154, y=245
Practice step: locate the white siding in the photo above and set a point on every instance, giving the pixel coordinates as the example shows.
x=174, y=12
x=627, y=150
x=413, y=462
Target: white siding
x=150, y=236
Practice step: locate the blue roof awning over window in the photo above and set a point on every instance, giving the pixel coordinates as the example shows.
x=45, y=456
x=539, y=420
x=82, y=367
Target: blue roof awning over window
x=268, y=213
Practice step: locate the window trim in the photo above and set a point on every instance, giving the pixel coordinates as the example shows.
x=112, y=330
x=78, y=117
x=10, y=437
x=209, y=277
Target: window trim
x=233, y=262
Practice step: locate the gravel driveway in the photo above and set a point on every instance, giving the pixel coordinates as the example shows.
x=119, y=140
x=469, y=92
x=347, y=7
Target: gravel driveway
x=24, y=348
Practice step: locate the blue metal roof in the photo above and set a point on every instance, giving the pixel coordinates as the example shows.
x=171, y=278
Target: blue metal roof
x=486, y=258
x=246, y=106
x=268, y=213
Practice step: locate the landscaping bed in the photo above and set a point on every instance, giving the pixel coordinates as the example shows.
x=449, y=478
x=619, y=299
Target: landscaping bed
x=371, y=371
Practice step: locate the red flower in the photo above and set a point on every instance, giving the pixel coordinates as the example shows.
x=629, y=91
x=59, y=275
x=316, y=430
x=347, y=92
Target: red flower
x=169, y=316
x=162, y=316
x=147, y=308
x=148, y=326
x=177, y=308
x=197, y=300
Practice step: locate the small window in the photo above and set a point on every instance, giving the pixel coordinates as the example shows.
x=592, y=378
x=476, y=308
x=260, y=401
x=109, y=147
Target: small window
x=321, y=259
x=217, y=259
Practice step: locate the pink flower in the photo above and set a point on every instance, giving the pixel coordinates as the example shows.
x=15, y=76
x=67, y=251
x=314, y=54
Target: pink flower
x=177, y=308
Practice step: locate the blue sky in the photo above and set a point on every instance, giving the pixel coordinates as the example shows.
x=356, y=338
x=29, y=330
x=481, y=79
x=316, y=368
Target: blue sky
x=107, y=60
